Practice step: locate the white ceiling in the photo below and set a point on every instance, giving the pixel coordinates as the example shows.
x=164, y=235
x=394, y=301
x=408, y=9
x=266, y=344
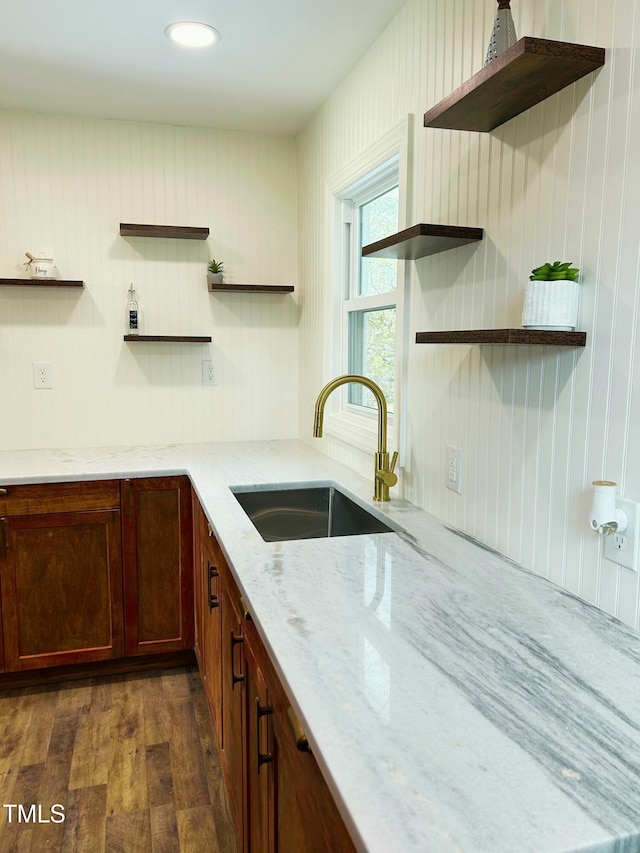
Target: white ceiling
x=278, y=60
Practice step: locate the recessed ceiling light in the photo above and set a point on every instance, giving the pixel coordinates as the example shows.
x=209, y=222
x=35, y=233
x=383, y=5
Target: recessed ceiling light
x=192, y=34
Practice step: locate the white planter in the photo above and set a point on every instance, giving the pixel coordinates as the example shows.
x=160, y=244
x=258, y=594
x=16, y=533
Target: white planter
x=551, y=305
x=214, y=278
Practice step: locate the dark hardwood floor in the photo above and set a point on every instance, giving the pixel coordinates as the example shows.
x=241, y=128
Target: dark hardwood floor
x=133, y=760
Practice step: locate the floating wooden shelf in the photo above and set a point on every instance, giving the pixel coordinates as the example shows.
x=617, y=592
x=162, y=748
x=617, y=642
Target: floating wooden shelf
x=250, y=288
x=35, y=282
x=538, y=337
x=178, y=339
x=422, y=240
x=524, y=75
x=178, y=232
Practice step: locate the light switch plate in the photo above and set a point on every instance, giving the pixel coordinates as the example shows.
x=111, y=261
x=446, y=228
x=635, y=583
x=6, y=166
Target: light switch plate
x=454, y=469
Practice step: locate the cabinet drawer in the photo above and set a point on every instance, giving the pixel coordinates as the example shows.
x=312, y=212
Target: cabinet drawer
x=59, y=497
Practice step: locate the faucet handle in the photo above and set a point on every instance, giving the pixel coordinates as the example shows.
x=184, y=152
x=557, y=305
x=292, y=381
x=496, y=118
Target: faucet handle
x=386, y=475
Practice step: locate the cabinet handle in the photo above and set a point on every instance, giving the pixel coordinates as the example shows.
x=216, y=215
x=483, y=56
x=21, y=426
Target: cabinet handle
x=262, y=711
x=302, y=744
x=213, y=573
x=3, y=492
x=235, y=679
x=209, y=530
x=245, y=610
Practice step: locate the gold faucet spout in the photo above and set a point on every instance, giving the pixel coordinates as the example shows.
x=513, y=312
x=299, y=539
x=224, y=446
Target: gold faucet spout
x=317, y=423
x=384, y=474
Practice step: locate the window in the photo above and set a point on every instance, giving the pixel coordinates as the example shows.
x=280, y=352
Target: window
x=370, y=287
x=370, y=307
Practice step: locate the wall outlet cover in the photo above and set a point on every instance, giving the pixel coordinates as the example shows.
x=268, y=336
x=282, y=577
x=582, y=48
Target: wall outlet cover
x=210, y=373
x=623, y=548
x=42, y=374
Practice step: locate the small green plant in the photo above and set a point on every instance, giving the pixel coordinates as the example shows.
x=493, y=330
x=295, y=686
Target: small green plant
x=557, y=271
x=215, y=266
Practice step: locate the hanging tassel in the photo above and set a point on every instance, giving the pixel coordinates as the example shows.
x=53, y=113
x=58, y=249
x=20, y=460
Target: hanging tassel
x=503, y=34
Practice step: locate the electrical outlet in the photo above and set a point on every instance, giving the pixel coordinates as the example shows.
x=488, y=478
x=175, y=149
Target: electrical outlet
x=42, y=374
x=454, y=469
x=623, y=548
x=210, y=373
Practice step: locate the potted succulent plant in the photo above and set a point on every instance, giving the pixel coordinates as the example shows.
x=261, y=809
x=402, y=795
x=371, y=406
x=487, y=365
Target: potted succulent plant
x=551, y=297
x=214, y=272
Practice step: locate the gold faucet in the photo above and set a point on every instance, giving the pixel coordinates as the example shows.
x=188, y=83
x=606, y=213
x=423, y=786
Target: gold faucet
x=384, y=472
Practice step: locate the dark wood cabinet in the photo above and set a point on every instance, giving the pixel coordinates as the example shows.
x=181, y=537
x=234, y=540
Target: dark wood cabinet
x=208, y=560
x=279, y=797
x=304, y=814
x=247, y=753
x=61, y=575
x=260, y=760
x=95, y=570
x=200, y=531
x=237, y=693
x=233, y=706
x=99, y=570
x=307, y=819
x=212, y=631
x=158, y=565
x=2, y=668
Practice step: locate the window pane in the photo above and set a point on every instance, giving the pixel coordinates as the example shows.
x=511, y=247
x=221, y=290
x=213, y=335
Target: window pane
x=378, y=218
x=372, y=336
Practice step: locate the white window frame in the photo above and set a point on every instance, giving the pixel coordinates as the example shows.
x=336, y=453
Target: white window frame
x=349, y=423
x=382, y=179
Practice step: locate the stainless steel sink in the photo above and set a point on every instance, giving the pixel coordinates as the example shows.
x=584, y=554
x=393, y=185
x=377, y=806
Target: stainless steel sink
x=309, y=512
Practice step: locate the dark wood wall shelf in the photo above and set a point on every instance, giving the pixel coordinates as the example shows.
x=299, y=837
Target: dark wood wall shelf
x=422, y=240
x=177, y=232
x=527, y=73
x=539, y=337
x=250, y=288
x=35, y=282
x=177, y=339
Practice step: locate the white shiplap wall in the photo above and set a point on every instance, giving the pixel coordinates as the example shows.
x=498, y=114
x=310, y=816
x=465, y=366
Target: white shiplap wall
x=65, y=185
x=536, y=425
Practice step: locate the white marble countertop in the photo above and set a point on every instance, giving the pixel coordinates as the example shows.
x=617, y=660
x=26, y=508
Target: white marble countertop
x=454, y=701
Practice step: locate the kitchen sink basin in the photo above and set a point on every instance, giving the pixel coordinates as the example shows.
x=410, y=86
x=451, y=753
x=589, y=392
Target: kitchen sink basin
x=309, y=512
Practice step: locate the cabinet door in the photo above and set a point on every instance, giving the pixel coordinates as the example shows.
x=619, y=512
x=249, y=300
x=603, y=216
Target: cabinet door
x=61, y=580
x=213, y=568
x=209, y=566
x=233, y=709
x=1, y=631
x=158, y=565
x=199, y=584
x=279, y=797
x=260, y=760
x=3, y=554
x=307, y=819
